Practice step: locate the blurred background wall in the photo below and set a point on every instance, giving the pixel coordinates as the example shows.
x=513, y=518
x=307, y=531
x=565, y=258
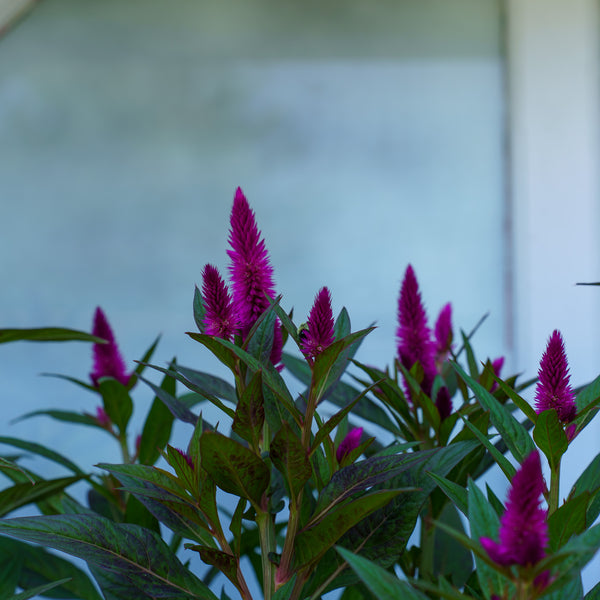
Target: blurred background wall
x=459, y=136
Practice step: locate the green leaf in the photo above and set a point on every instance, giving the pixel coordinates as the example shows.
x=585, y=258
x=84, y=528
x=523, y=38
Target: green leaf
x=39, y=567
x=134, y=559
x=139, y=369
x=568, y=520
x=39, y=590
x=164, y=497
x=234, y=468
x=550, y=437
x=383, y=584
x=342, y=325
x=117, y=402
x=311, y=543
x=157, y=427
x=199, y=311
x=450, y=557
x=224, y=562
x=177, y=408
x=269, y=374
x=48, y=334
x=332, y=362
x=290, y=459
x=513, y=433
x=22, y=494
x=500, y=459
x=484, y=522
x=456, y=493
x=471, y=361
x=260, y=342
x=250, y=412
x=42, y=451
x=594, y=593
x=383, y=535
x=518, y=401
x=10, y=573
x=66, y=416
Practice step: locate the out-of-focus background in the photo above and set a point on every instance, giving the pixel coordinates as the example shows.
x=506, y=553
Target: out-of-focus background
x=460, y=136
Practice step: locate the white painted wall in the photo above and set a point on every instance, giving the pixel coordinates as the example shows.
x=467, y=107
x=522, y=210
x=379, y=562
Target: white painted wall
x=554, y=106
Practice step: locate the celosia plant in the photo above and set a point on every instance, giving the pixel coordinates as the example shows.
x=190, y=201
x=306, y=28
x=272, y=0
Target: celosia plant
x=359, y=478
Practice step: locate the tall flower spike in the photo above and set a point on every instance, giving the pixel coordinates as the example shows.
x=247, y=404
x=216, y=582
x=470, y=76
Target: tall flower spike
x=413, y=333
x=251, y=271
x=219, y=317
x=349, y=443
x=108, y=361
x=523, y=526
x=319, y=334
x=443, y=335
x=553, y=388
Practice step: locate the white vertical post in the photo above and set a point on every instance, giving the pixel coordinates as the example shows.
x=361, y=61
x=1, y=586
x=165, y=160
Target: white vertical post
x=554, y=108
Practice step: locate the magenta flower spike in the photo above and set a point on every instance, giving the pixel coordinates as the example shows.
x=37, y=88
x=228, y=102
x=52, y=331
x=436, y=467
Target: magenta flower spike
x=349, y=443
x=251, y=271
x=413, y=333
x=319, y=334
x=443, y=403
x=553, y=388
x=443, y=335
x=497, y=365
x=220, y=318
x=523, y=527
x=108, y=361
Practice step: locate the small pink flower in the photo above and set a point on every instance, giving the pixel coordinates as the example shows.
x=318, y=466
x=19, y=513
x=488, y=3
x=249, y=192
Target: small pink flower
x=554, y=388
x=443, y=335
x=102, y=418
x=108, y=361
x=523, y=527
x=219, y=318
x=319, y=334
x=349, y=443
x=497, y=365
x=413, y=333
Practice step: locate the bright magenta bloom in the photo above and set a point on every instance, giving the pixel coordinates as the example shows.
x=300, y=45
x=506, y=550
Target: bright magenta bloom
x=251, y=271
x=413, y=333
x=108, y=361
x=443, y=335
x=523, y=527
x=319, y=334
x=553, y=388
x=219, y=317
x=349, y=443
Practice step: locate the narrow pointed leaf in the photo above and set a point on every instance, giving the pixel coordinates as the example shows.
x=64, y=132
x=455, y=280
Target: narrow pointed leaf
x=66, y=416
x=380, y=582
x=139, y=560
x=40, y=590
x=117, y=402
x=513, y=433
x=42, y=451
x=550, y=437
x=47, y=334
x=177, y=408
x=290, y=459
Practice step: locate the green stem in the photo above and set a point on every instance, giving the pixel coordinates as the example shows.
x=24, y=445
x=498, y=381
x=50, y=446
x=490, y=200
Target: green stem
x=284, y=570
x=266, y=533
x=124, y=449
x=553, y=498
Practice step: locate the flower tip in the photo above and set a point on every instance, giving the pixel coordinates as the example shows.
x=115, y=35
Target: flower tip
x=239, y=195
x=349, y=443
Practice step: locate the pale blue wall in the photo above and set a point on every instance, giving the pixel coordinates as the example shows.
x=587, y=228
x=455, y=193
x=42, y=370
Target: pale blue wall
x=365, y=138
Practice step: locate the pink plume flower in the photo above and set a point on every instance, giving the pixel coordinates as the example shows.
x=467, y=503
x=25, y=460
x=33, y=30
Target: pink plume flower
x=523, y=527
x=349, y=443
x=413, y=333
x=219, y=318
x=553, y=388
x=319, y=334
x=251, y=271
x=108, y=361
x=443, y=335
